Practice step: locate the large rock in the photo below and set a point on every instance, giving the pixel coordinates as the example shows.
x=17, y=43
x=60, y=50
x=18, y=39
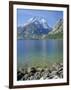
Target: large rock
x=25, y=77
x=19, y=76
x=37, y=75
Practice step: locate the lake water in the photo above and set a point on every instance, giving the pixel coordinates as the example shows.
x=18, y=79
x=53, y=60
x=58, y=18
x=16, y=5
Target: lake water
x=39, y=52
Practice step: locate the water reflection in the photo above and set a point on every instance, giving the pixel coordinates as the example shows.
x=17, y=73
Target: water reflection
x=35, y=50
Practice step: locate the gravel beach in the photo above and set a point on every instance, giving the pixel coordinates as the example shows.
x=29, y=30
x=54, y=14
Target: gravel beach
x=32, y=73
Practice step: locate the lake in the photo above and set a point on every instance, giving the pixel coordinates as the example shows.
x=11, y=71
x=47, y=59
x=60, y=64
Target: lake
x=39, y=52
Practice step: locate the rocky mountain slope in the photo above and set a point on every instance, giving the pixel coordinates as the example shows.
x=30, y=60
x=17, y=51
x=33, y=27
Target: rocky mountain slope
x=38, y=28
x=57, y=32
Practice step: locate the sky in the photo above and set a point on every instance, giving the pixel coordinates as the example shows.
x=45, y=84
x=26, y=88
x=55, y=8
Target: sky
x=23, y=15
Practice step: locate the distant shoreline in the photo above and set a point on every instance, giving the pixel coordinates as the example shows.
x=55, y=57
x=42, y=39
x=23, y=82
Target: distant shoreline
x=40, y=39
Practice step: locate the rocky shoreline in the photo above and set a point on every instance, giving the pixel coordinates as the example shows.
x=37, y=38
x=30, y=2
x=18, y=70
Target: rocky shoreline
x=32, y=73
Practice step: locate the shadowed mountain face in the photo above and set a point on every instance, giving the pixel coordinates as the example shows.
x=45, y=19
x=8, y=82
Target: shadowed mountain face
x=38, y=28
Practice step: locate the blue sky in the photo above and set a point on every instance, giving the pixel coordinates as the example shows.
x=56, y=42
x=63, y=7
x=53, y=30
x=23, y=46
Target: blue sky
x=51, y=16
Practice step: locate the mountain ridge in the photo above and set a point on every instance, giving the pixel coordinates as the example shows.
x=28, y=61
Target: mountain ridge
x=38, y=28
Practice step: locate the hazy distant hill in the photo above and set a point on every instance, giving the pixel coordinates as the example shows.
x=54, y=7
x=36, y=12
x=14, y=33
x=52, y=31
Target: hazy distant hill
x=38, y=28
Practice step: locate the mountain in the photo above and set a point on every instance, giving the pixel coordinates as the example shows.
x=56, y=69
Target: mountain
x=34, y=28
x=19, y=32
x=57, y=32
x=38, y=28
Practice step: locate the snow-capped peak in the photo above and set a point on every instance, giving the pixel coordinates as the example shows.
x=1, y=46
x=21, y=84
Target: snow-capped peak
x=44, y=23
x=38, y=21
